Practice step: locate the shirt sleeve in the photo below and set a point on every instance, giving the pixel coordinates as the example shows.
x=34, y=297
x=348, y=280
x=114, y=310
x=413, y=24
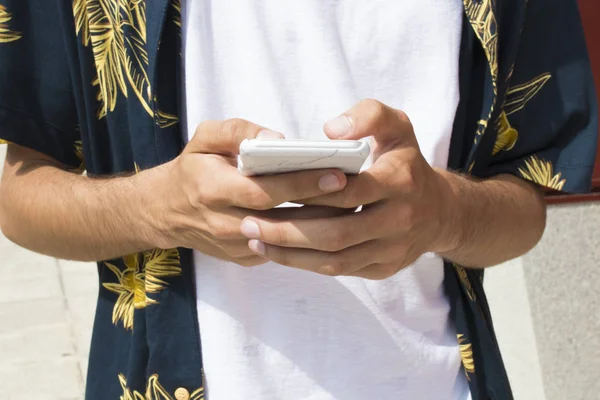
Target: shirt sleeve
x=37, y=106
x=547, y=132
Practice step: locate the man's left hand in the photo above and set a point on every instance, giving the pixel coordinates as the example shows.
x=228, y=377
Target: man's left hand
x=405, y=212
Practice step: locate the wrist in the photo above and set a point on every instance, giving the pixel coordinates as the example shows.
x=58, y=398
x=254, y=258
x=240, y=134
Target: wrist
x=451, y=230
x=154, y=211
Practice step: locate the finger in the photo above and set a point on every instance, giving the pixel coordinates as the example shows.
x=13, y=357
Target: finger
x=324, y=234
x=225, y=137
x=332, y=264
x=237, y=248
x=244, y=257
x=225, y=226
x=251, y=261
x=371, y=118
x=370, y=186
x=264, y=193
x=219, y=184
x=377, y=272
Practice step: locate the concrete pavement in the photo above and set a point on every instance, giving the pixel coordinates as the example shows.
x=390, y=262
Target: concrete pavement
x=46, y=315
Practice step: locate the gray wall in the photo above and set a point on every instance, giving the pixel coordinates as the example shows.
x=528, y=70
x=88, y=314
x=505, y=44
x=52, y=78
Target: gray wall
x=545, y=308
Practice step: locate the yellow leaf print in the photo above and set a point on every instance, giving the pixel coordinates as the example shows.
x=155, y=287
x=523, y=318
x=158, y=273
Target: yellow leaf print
x=471, y=166
x=197, y=394
x=143, y=274
x=542, y=173
x=176, y=4
x=159, y=264
x=136, y=58
x=507, y=135
x=6, y=34
x=154, y=391
x=466, y=283
x=517, y=98
x=2, y=141
x=130, y=288
x=483, y=21
x=117, y=31
x=79, y=153
x=164, y=120
x=466, y=354
x=81, y=21
x=127, y=393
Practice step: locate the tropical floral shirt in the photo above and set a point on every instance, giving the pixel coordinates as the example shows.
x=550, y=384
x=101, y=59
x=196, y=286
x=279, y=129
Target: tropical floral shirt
x=96, y=85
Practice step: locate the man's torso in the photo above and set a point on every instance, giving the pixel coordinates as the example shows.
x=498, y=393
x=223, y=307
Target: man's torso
x=271, y=332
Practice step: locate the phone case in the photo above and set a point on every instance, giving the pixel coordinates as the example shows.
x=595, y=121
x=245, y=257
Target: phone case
x=267, y=157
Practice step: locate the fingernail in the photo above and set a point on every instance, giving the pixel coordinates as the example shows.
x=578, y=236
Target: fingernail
x=250, y=229
x=330, y=183
x=339, y=126
x=267, y=134
x=257, y=246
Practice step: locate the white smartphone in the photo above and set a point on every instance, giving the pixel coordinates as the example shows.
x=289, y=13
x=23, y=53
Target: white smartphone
x=267, y=157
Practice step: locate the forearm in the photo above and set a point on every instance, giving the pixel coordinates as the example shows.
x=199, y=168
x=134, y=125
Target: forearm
x=492, y=221
x=65, y=215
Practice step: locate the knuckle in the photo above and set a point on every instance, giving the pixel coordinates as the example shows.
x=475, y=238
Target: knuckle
x=339, y=240
x=258, y=199
x=349, y=198
x=205, y=196
x=374, y=109
x=250, y=261
x=197, y=185
x=280, y=235
x=389, y=271
x=402, y=116
x=336, y=267
x=231, y=129
x=407, y=179
x=223, y=231
x=245, y=262
x=201, y=127
x=407, y=218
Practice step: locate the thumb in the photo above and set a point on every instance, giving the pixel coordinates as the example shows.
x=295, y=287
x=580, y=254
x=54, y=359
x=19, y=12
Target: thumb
x=388, y=126
x=225, y=137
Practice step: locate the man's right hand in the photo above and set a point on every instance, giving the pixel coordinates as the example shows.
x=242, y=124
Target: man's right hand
x=201, y=198
x=197, y=200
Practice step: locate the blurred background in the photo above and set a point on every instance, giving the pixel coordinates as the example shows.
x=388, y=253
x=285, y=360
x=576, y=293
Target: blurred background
x=545, y=304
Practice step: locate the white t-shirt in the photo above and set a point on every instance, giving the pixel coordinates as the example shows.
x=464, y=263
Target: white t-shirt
x=276, y=333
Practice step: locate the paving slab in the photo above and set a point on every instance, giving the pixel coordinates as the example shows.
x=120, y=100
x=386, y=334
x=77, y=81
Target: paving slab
x=42, y=380
x=41, y=343
x=78, y=279
x=28, y=289
x=19, y=316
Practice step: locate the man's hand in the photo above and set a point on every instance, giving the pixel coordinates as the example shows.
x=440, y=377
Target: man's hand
x=203, y=198
x=197, y=201
x=409, y=209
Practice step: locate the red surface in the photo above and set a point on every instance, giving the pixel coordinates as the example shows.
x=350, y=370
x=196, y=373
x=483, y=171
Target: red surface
x=590, y=14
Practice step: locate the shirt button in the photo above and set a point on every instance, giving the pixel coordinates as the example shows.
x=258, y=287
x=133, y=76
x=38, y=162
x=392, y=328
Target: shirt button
x=182, y=394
